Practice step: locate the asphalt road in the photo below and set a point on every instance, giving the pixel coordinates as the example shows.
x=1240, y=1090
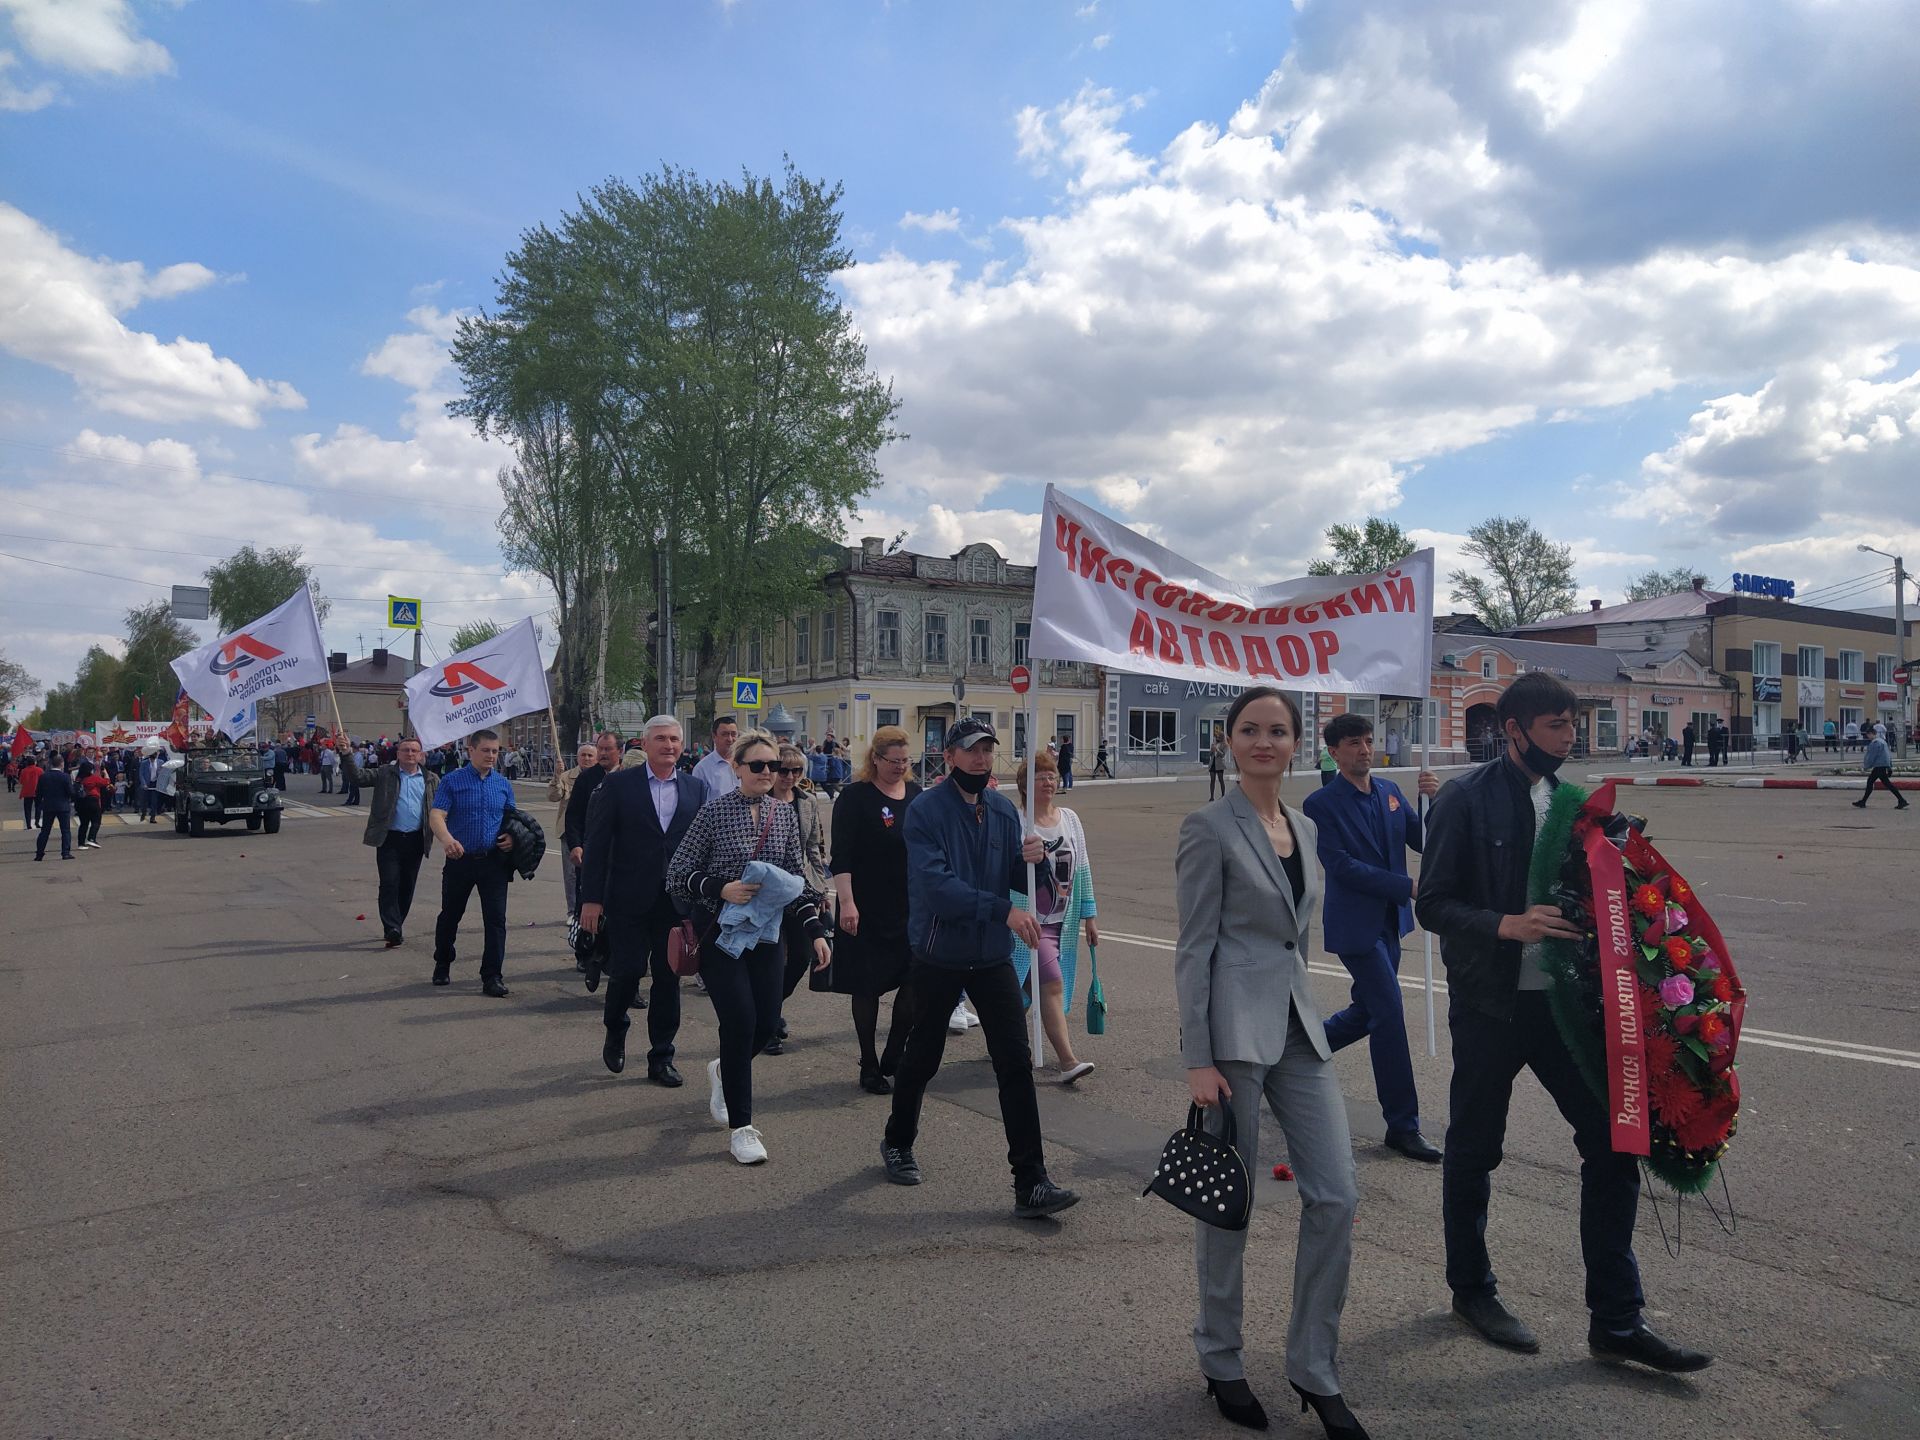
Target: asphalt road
x=260, y=1179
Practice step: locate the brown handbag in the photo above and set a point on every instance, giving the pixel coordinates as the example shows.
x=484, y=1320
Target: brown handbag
x=683, y=942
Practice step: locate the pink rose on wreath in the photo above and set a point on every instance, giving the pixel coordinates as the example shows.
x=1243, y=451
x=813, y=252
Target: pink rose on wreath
x=1676, y=990
x=1676, y=920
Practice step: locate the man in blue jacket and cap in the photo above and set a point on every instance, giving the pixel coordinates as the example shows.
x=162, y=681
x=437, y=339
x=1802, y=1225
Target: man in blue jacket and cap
x=964, y=856
x=1366, y=827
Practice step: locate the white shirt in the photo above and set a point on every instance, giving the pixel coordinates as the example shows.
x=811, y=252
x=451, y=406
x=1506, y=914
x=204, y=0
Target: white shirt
x=715, y=772
x=1532, y=977
x=666, y=797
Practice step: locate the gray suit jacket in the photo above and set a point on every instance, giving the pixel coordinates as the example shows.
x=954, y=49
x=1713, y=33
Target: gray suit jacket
x=1242, y=954
x=384, y=781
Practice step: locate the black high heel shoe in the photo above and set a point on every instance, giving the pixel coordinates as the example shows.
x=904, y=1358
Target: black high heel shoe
x=1236, y=1401
x=1335, y=1417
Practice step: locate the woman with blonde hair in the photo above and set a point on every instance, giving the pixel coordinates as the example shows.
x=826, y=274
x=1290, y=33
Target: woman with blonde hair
x=871, y=954
x=1066, y=906
x=734, y=830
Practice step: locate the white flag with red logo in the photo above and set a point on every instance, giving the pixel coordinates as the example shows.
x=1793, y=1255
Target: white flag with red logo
x=282, y=650
x=494, y=681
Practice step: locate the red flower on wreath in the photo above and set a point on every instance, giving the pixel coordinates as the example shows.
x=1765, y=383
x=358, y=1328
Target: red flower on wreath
x=1712, y=1027
x=1675, y=1099
x=1649, y=901
x=1722, y=988
x=1662, y=1053
x=1679, y=952
x=1708, y=1128
x=1679, y=889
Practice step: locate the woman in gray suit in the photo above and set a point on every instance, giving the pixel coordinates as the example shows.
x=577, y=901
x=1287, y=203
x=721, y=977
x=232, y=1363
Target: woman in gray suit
x=1248, y=888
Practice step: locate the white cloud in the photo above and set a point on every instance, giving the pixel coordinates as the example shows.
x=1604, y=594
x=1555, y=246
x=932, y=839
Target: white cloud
x=934, y=223
x=1100, y=42
x=15, y=97
x=440, y=457
x=93, y=38
x=1233, y=365
x=61, y=309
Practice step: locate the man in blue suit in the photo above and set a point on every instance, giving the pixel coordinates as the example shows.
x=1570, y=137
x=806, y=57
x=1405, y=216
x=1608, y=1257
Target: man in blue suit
x=1366, y=826
x=634, y=823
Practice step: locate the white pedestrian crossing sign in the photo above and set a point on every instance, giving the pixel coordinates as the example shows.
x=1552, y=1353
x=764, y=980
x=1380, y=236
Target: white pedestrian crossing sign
x=746, y=692
x=403, y=612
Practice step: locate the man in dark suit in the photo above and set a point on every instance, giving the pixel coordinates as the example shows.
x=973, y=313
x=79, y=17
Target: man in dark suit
x=396, y=828
x=1365, y=828
x=634, y=823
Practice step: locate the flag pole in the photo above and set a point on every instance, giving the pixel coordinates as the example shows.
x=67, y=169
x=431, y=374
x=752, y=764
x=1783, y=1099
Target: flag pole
x=1033, y=871
x=1429, y=722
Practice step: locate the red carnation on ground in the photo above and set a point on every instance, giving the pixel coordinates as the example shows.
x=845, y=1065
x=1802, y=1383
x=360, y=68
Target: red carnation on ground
x=1679, y=952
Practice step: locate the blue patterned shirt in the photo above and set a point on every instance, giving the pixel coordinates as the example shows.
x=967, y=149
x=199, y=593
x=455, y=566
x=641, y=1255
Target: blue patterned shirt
x=474, y=805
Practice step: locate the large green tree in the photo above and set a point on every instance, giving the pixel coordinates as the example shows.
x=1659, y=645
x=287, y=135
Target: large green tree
x=154, y=638
x=1363, y=550
x=474, y=632
x=91, y=696
x=249, y=583
x=692, y=409
x=1522, y=576
x=14, y=681
x=1655, y=583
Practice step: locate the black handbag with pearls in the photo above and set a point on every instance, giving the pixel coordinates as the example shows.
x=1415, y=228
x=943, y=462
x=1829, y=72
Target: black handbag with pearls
x=1203, y=1174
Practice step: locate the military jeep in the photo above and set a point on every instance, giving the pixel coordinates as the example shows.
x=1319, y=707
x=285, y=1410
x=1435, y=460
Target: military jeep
x=219, y=783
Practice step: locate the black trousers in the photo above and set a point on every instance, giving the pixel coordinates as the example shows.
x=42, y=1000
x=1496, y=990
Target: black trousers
x=996, y=995
x=397, y=859
x=88, y=814
x=1488, y=1054
x=49, y=815
x=1883, y=776
x=279, y=777
x=663, y=999
x=1216, y=783
x=487, y=874
x=30, y=807
x=746, y=1001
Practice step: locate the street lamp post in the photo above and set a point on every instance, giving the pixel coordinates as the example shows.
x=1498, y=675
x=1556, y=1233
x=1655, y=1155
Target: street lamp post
x=1900, y=643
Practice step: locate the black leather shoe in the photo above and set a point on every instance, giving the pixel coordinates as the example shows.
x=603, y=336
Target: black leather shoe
x=902, y=1168
x=1238, y=1403
x=393, y=939
x=1414, y=1145
x=614, y=1051
x=874, y=1083
x=661, y=1072
x=639, y=1002
x=494, y=990
x=1644, y=1347
x=1045, y=1198
x=441, y=974
x=775, y=1046
x=1496, y=1323
x=1332, y=1412
x=593, y=976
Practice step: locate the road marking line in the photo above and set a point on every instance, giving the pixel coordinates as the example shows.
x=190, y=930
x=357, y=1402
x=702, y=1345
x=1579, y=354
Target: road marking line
x=1771, y=1039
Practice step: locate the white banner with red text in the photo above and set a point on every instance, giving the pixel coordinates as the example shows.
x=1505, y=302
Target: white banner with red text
x=478, y=688
x=282, y=650
x=1107, y=595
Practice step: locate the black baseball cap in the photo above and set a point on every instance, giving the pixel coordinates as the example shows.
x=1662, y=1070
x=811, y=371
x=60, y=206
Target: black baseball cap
x=969, y=733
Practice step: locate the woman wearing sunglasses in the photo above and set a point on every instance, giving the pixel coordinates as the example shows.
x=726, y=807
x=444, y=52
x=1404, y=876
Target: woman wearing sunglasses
x=1066, y=907
x=870, y=955
x=790, y=787
x=730, y=831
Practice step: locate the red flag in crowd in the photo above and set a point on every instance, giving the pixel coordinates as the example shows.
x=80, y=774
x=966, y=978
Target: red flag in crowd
x=22, y=742
x=139, y=706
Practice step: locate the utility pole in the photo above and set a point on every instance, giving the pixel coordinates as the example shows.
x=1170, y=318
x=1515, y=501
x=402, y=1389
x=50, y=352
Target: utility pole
x=1900, y=644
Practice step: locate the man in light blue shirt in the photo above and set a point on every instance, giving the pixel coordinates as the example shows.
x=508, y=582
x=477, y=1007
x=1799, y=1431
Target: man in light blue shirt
x=715, y=770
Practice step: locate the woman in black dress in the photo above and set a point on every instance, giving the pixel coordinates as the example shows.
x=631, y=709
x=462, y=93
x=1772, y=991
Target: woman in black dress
x=870, y=954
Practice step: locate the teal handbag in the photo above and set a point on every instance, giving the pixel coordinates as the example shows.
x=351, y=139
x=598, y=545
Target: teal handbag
x=1096, y=998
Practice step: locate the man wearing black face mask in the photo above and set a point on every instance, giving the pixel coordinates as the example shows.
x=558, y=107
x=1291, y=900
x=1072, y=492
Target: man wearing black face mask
x=1473, y=895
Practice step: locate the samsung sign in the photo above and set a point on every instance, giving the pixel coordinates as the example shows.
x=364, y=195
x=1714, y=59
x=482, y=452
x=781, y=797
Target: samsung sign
x=1762, y=585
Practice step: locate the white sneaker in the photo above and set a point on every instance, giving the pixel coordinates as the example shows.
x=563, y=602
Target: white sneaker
x=717, y=1101
x=968, y=1015
x=960, y=1021
x=1075, y=1072
x=747, y=1146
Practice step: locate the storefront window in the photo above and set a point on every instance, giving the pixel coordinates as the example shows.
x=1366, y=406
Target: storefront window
x=1606, y=729
x=1153, y=732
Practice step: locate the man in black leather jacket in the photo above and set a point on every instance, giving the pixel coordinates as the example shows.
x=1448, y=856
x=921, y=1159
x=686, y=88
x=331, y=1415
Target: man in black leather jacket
x=1473, y=895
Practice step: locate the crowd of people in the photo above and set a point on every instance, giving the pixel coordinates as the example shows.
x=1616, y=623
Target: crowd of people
x=746, y=862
